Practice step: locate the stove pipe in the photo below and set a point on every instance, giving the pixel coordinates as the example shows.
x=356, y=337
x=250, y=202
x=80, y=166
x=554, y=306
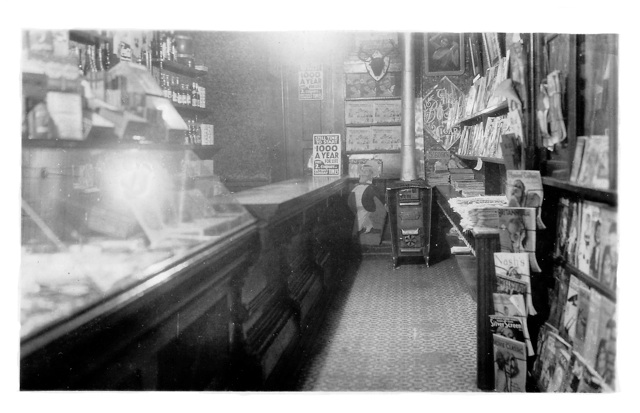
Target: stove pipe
x=408, y=110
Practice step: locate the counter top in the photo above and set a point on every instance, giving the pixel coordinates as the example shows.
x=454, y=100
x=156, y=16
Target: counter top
x=275, y=201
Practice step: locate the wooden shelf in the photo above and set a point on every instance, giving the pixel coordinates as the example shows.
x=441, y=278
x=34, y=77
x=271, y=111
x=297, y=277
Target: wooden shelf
x=374, y=98
x=87, y=36
x=592, y=194
x=192, y=109
x=497, y=110
x=590, y=281
x=484, y=158
x=179, y=68
x=373, y=152
x=367, y=125
x=203, y=151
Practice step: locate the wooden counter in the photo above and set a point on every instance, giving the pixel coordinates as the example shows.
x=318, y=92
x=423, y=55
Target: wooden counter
x=305, y=231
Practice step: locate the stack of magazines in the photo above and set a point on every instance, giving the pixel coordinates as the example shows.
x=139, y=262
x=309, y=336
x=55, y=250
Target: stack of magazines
x=469, y=188
x=463, y=207
x=461, y=174
x=439, y=175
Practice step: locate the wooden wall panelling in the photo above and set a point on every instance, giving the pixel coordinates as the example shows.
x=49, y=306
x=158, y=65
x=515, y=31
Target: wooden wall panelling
x=243, y=96
x=294, y=123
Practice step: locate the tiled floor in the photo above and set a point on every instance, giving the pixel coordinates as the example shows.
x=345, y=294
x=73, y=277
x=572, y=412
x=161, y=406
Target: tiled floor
x=409, y=329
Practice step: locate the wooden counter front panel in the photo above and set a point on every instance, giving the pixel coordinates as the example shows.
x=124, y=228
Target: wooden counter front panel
x=304, y=231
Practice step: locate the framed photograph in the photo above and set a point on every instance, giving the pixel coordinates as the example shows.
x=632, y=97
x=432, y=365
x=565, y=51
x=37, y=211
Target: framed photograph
x=444, y=54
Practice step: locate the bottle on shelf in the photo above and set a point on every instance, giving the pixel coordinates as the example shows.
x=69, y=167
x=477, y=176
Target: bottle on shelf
x=194, y=95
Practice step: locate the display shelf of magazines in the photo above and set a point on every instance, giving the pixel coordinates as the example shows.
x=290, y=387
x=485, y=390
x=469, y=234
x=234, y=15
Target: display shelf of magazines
x=192, y=109
x=483, y=158
x=600, y=195
x=590, y=281
x=496, y=110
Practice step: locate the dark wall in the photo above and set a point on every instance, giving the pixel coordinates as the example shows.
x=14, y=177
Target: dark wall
x=244, y=95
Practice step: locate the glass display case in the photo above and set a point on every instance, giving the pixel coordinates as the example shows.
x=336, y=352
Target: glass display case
x=99, y=221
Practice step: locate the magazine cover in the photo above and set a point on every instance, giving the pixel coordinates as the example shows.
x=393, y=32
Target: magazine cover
x=577, y=158
x=524, y=189
x=509, y=305
x=584, y=293
x=590, y=239
x=556, y=352
x=574, y=375
x=591, y=341
x=541, y=347
x=575, y=220
x=510, y=363
x=605, y=361
x=507, y=285
x=562, y=366
x=546, y=352
x=570, y=315
x=591, y=382
x=517, y=228
x=515, y=266
x=594, y=171
x=512, y=327
x=608, y=259
x=559, y=296
x=562, y=228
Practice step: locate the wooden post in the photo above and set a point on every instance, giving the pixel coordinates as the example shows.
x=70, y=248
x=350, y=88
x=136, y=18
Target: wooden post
x=486, y=243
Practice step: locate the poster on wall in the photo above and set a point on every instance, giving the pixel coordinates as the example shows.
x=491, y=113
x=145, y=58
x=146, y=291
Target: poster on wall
x=359, y=139
x=327, y=155
x=358, y=113
x=387, y=111
x=355, y=167
x=363, y=86
x=310, y=82
x=436, y=106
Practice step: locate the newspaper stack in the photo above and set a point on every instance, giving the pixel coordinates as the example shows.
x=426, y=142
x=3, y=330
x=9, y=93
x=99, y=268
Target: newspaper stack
x=483, y=217
x=463, y=207
x=470, y=188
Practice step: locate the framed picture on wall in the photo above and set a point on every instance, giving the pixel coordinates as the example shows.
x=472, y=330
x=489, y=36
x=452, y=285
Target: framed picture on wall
x=444, y=54
x=363, y=86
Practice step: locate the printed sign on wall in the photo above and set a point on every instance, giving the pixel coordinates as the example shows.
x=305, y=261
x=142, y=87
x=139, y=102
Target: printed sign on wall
x=327, y=151
x=310, y=82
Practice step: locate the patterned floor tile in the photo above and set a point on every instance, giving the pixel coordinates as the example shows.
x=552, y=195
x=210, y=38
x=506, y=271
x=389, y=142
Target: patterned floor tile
x=407, y=329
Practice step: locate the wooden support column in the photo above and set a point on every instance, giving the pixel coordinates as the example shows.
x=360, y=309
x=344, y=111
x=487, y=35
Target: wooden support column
x=486, y=243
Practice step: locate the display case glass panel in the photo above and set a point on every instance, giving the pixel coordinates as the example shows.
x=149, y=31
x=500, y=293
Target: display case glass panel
x=97, y=222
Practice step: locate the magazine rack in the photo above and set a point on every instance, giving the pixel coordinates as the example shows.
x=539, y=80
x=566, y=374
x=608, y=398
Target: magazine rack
x=483, y=243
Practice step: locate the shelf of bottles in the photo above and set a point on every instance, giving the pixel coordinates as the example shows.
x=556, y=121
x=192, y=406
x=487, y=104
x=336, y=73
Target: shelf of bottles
x=93, y=52
x=183, y=91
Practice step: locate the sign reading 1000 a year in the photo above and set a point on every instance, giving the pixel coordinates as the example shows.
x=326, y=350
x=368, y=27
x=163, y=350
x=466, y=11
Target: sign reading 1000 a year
x=326, y=155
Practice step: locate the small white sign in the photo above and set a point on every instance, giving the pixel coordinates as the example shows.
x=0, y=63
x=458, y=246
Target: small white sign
x=327, y=155
x=310, y=82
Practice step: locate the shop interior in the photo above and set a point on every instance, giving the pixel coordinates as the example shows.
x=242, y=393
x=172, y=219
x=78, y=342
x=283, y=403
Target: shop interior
x=318, y=211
